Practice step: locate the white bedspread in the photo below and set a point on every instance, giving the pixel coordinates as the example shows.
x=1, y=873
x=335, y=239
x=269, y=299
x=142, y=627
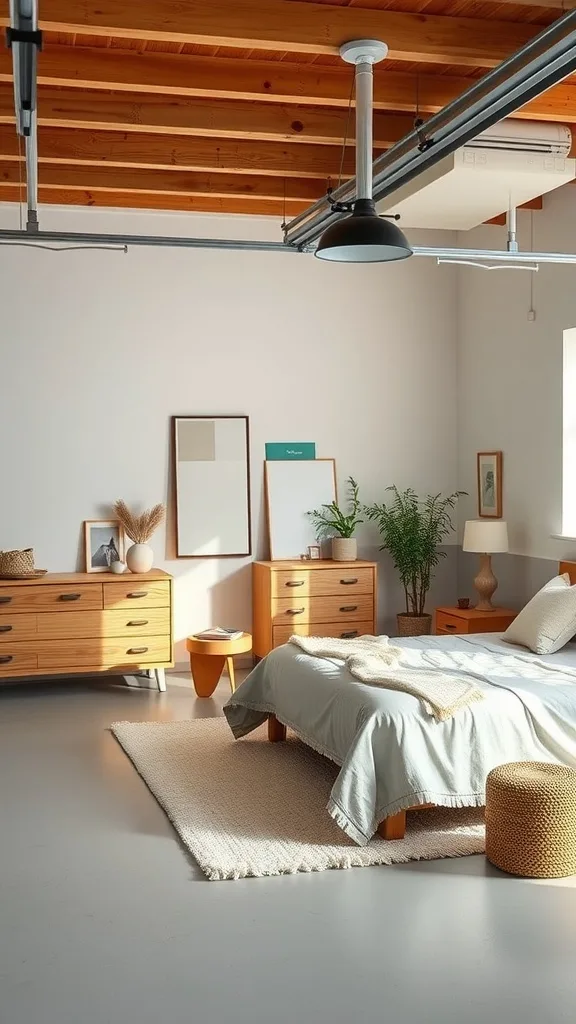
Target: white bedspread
x=393, y=754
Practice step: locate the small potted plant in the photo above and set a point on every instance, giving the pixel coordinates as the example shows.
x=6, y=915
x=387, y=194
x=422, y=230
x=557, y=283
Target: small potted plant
x=412, y=530
x=331, y=522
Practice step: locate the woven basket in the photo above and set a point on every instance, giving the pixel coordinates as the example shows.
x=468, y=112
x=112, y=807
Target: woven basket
x=413, y=625
x=17, y=561
x=531, y=819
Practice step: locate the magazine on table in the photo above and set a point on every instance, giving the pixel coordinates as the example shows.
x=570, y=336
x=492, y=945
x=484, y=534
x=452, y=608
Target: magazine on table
x=219, y=633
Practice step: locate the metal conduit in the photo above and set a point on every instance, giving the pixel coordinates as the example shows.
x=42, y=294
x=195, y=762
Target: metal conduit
x=83, y=239
x=24, y=39
x=543, y=62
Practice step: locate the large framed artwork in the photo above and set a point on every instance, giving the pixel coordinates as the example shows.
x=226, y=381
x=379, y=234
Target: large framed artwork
x=490, y=485
x=293, y=488
x=212, y=486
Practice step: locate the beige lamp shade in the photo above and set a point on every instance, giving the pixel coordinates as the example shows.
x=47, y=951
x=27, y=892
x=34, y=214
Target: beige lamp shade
x=485, y=536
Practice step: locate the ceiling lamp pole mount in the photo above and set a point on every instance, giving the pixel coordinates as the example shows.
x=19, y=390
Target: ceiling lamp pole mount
x=363, y=236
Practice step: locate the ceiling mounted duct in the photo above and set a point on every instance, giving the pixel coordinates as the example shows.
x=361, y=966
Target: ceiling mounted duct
x=363, y=237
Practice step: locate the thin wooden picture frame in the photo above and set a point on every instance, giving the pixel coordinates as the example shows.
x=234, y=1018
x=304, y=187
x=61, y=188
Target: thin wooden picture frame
x=489, y=484
x=96, y=548
x=174, y=420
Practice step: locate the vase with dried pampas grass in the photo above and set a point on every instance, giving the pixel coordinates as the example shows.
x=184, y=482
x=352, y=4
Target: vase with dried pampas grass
x=139, y=557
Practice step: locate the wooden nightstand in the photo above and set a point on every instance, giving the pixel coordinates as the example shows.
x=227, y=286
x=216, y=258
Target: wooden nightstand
x=469, y=620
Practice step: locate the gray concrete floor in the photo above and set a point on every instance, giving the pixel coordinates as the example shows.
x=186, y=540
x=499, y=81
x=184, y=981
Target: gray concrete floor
x=104, y=918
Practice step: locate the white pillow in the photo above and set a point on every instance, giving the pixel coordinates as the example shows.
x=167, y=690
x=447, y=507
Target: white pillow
x=548, y=621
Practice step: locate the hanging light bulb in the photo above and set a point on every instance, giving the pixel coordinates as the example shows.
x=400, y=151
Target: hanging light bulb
x=363, y=237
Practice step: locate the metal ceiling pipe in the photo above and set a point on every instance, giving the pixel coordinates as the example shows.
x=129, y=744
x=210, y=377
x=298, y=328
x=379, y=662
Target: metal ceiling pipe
x=24, y=40
x=83, y=239
x=71, y=238
x=492, y=255
x=543, y=62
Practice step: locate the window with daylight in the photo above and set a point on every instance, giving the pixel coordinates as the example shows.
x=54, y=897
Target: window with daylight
x=569, y=435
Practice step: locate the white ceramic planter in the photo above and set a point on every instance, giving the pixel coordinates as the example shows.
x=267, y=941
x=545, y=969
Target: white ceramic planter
x=344, y=549
x=118, y=567
x=139, y=558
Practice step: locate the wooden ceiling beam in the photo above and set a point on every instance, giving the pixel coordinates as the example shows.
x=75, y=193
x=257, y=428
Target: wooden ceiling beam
x=180, y=153
x=169, y=183
x=127, y=112
x=147, y=201
x=261, y=81
x=288, y=25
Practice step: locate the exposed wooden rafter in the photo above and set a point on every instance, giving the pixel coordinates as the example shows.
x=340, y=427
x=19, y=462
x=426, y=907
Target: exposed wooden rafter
x=180, y=153
x=287, y=25
x=148, y=201
x=180, y=116
x=169, y=183
x=261, y=81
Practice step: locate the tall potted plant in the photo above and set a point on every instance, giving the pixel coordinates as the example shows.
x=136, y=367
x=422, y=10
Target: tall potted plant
x=331, y=521
x=412, y=530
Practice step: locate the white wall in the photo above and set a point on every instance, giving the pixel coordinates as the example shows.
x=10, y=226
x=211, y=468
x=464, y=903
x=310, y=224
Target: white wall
x=510, y=375
x=99, y=349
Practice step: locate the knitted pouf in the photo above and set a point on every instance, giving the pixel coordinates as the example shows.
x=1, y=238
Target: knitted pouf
x=531, y=819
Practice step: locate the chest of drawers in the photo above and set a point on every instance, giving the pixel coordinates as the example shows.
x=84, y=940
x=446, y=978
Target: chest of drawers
x=66, y=624
x=315, y=598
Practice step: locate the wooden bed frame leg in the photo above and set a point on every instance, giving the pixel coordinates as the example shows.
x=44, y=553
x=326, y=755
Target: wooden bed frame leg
x=393, y=827
x=276, y=731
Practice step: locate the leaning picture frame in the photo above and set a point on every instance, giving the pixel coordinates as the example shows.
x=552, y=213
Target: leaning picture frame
x=489, y=470
x=104, y=543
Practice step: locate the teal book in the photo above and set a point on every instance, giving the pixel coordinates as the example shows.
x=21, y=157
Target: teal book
x=281, y=451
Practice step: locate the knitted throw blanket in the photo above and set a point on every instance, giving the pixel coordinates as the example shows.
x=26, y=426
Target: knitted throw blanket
x=373, y=660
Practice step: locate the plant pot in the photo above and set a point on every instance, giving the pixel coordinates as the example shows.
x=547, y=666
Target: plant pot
x=344, y=549
x=414, y=625
x=140, y=558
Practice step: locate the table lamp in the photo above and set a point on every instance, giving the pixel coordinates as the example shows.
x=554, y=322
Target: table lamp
x=487, y=537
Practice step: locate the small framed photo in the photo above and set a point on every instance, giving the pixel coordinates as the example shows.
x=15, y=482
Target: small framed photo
x=314, y=551
x=490, y=485
x=104, y=543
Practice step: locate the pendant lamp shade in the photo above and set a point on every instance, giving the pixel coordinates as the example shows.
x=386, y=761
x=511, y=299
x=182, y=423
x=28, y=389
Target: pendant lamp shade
x=363, y=237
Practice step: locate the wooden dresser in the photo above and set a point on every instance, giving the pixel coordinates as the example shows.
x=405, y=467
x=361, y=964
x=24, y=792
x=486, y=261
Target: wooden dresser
x=321, y=598
x=73, y=623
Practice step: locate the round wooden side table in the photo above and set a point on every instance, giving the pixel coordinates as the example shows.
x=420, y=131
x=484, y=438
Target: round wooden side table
x=207, y=660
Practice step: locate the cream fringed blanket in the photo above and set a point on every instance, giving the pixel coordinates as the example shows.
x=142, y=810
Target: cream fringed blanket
x=373, y=660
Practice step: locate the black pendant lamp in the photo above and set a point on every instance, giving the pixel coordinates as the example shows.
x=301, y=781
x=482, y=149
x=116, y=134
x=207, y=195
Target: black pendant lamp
x=363, y=236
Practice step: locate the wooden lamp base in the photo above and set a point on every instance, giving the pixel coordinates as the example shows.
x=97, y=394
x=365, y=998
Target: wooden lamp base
x=485, y=583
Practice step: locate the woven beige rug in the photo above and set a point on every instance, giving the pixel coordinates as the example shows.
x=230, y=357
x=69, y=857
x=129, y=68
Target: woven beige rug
x=252, y=808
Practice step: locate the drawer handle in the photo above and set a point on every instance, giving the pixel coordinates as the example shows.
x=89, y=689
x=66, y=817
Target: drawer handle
x=349, y=608
x=5, y=658
x=6, y=629
x=294, y=583
x=138, y=593
x=138, y=622
x=349, y=634
x=136, y=650
x=295, y=611
x=349, y=583
x=69, y=597
x=449, y=625
x=5, y=600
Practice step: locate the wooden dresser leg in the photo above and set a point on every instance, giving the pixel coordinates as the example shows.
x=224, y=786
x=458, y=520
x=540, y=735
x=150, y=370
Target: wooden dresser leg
x=160, y=679
x=393, y=827
x=276, y=731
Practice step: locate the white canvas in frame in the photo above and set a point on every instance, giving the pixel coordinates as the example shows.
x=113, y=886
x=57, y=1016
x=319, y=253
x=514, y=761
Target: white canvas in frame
x=212, y=486
x=294, y=488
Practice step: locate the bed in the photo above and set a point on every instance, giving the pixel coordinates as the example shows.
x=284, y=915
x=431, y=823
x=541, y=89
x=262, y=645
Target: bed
x=393, y=755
